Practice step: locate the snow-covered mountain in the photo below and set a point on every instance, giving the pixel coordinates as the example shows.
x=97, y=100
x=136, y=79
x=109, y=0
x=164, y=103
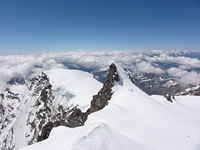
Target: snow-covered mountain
x=69, y=109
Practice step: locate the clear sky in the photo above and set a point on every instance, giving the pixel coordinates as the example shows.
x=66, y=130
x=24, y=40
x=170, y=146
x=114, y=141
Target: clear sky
x=54, y=25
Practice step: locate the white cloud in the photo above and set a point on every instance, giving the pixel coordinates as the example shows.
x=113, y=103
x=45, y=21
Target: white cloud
x=185, y=77
x=25, y=65
x=144, y=67
x=185, y=62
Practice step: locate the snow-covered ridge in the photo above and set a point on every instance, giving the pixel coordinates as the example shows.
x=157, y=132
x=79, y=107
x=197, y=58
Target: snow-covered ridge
x=132, y=120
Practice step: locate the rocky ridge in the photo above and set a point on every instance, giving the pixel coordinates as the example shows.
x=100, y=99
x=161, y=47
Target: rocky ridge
x=99, y=101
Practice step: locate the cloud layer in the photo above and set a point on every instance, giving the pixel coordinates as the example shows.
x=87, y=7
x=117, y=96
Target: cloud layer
x=183, y=76
x=27, y=66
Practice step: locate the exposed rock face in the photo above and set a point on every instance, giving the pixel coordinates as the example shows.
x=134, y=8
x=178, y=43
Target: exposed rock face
x=43, y=107
x=77, y=118
x=49, y=114
x=31, y=115
x=8, y=112
x=2, y=111
x=2, y=96
x=101, y=99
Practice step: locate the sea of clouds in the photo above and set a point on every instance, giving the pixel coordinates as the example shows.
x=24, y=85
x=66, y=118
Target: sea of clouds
x=183, y=65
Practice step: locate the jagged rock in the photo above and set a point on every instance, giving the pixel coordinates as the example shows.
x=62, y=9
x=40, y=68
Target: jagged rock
x=47, y=129
x=100, y=100
x=2, y=96
x=9, y=103
x=12, y=95
x=2, y=111
x=168, y=97
x=43, y=104
x=77, y=118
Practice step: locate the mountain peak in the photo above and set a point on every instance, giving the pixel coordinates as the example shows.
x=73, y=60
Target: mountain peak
x=104, y=95
x=99, y=101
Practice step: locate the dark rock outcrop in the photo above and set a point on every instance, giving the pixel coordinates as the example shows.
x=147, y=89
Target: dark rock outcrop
x=12, y=95
x=2, y=96
x=47, y=129
x=100, y=100
x=2, y=111
x=8, y=110
x=77, y=118
x=169, y=97
x=41, y=91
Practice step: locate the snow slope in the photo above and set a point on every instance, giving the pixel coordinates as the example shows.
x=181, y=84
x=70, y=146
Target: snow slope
x=73, y=87
x=92, y=137
x=133, y=120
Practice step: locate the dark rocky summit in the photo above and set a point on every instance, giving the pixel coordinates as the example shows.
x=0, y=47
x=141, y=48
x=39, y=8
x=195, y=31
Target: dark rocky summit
x=99, y=101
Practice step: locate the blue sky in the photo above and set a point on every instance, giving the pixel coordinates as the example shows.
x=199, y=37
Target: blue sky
x=56, y=25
